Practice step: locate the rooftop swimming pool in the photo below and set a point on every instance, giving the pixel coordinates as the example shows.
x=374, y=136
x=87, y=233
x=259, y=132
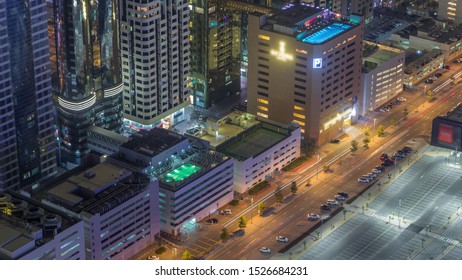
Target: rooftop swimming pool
x=182, y=172
x=326, y=33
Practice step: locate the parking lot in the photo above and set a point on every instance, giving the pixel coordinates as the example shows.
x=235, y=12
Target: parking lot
x=418, y=216
x=381, y=28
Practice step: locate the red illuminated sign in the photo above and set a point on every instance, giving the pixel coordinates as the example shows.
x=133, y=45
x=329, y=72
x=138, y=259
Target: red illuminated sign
x=446, y=133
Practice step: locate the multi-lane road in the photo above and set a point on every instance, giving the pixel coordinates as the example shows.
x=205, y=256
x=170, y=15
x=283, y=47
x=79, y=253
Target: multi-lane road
x=290, y=220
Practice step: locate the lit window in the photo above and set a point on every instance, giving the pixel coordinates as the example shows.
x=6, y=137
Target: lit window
x=299, y=108
x=261, y=100
x=264, y=37
x=262, y=115
x=451, y=14
x=302, y=130
x=263, y=108
x=299, y=122
x=300, y=116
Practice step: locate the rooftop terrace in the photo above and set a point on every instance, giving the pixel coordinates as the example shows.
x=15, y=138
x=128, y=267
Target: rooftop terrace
x=153, y=142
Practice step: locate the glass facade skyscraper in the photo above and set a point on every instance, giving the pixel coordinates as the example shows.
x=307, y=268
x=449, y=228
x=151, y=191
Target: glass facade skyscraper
x=27, y=144
x=86, y=71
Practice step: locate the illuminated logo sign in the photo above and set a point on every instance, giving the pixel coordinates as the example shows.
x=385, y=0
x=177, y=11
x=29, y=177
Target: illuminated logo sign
x=317, y=63
x=281, y=53
x=446, y=133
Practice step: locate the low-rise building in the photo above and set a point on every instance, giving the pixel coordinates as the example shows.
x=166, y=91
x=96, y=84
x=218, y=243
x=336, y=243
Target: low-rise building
x=382, y=76
x=421, y=65
x=194, y=180
x=447, y=130
x=30, y=230
x=119, y=208
x=104, y=141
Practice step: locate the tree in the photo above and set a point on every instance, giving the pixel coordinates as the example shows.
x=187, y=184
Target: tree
x=393, y=120
x=310, y=147
x=294, y=188
x=278, y=194
x=354, y=146
x=326, y=168
x=429, y=95
x=186, y=255
x=366, y=142
x=381, y=131
x=261, y=208
x=224, y=235
x=367, y=133
x=405, y=112
x=242, y=222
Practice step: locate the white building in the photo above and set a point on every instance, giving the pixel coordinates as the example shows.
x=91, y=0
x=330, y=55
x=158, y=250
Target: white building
x=155, y=62
x=119, y=209
x=260, y=151
x=382, y=76
x=194, y=180
x=450, y=10
x=30, y=230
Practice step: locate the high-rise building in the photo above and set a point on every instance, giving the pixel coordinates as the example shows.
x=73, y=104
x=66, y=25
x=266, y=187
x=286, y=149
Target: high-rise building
x=215, y=52
x=86, y=74
x=346, y=7
x=450, y=10
x=305, y=67
x=27, y=144
x=155, y=62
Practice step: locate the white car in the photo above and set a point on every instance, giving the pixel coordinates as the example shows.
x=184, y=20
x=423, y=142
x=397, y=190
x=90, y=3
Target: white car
x=376, y=171
x=265, y=250
x=282, y=239
x=402, y=99
x=312, y=217
x=153, y=258
x=372, y=175
x=364, y=180
x=340, y=197
x=332, y=202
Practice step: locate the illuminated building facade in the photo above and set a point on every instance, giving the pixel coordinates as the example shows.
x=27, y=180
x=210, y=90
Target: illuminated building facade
x=305, y=67
x=450, y=10
x=86, y=72
x=215, y=52
x=382, y=76
x=155, y=54
x=27, y=144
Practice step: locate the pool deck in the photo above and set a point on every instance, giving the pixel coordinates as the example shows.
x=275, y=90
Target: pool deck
x=324, y=34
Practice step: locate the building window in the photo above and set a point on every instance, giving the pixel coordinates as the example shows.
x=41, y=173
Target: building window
x=263, y=108
x=300, y=116
x=262, y=115
x=261, y=100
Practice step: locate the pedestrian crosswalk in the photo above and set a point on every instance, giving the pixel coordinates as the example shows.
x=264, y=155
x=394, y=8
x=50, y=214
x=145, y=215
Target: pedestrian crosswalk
x=444, y=239
x=380, y=217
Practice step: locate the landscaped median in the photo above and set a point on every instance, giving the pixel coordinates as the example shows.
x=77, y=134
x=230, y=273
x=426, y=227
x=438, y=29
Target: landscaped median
x=295, y=163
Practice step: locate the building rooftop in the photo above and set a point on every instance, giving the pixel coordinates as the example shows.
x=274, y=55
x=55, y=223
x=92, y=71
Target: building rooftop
x=429, y=28
x=153, y=142
x=376, y=54
x=108, y=133
x=418, y=59
x=254, y=141
x=96, y=189
x=26, y=224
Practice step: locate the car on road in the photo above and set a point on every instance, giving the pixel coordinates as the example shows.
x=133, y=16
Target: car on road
x=384, y=110
x=401, y=99
x=364, y=180
x=447, y=67
x=153, y=258
x=439, y=74
x=313, y=217
x=284, y=239
x=212, y=221
x=340, y=197
x=428, y=81
x=335, y=141
x=332, y=203
x=344, y=194
x=265, y=250
x=325, y=207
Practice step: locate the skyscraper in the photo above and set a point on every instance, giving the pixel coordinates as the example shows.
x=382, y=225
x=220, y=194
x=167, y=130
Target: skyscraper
x=155, y=62
x=215, y=52
x=86, y=72
x=27, y=144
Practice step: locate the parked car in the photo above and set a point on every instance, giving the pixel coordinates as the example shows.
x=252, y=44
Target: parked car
x=387, y=162
x=428, y=81
x=340, y=197
x=225, y=212
x=335, y=141
x=401, y=99
x=376, y=171
x=364, y=180
x=325, y=207
x=344, y=194
x=212, y=221
x=383, y=157
x=265, y=250
x=371, y=175
x=282, y=239
x=407, y=149
x=332, y=203
x=313, y=217
x=153, y=258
